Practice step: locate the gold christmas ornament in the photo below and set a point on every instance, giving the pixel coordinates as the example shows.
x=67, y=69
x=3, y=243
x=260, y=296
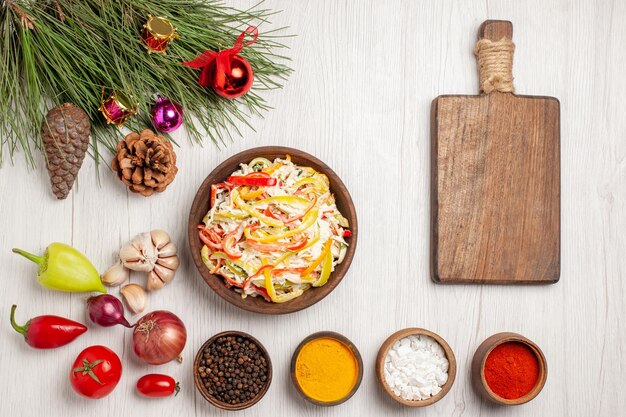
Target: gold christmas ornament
x=157, y=33
x=117, y=108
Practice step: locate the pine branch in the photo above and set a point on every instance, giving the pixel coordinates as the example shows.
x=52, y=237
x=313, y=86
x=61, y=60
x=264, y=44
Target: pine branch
x=55, y=51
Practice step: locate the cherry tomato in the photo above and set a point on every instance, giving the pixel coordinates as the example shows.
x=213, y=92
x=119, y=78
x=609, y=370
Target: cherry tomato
x=157, y=385
x=96, y=372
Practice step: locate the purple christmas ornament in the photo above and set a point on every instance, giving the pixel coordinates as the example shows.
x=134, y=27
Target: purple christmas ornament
x=167, y=115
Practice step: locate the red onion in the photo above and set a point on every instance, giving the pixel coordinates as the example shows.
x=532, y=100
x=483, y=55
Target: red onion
x=159, y=337
x=106, y=310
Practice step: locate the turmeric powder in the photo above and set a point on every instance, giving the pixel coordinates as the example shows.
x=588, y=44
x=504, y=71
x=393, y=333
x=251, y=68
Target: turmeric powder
x=326, y=369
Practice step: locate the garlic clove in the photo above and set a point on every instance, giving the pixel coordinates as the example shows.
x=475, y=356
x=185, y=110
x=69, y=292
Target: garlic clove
x=158, y=277
x=171, y=262
x=116, y=275
x=135, y=297
x=160, y=238
x=129, y=253
x=168, y=250
x=154, y=282
x=165, y=274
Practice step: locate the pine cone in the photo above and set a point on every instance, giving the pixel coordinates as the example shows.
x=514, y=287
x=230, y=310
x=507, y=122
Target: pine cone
x=65, y=135
x=145, y=162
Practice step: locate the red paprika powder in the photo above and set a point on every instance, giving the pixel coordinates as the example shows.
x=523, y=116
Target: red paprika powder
x=511, y=370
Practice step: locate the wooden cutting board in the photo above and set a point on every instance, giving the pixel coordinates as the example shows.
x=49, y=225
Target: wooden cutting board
x=495, y=185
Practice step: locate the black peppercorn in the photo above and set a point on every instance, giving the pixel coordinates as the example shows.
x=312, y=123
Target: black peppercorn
x=241, y=371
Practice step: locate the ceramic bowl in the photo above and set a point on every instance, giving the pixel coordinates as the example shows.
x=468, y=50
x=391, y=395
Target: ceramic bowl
x=384, y=350
x=213, y=400
x=346, y=342
x=200, y=207
x=478, y=368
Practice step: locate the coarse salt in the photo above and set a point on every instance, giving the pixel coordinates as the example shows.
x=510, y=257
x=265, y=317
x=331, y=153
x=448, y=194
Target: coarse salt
x=416, y=368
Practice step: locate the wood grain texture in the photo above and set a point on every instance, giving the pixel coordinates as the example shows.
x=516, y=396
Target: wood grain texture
x=200, y=207
x=495, y=169
x=366, y=74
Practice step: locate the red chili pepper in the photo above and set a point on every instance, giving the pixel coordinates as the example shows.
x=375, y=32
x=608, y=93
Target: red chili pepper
x=252, y=180
x=48, y=332
x=347, y=233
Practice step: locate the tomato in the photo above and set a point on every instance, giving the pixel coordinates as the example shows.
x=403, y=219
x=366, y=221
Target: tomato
x=96, y=372
x=157, y=385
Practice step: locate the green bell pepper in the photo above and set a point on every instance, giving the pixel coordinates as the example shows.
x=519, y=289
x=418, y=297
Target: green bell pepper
x=63, y=268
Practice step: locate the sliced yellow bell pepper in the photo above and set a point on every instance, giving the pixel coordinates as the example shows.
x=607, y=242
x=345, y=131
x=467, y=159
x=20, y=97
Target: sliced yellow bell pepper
x=282, y=298
x=263, y=161
x=222, y=255
x=318, y=185
x=270, y=170
x=269, y=285
x=307, y=221
x=205, y=254
x=254, y=212
x=318, y=261
x=232, y=216
x=343, y=222
x=327, y=268
x=271, y=290
x=284, y=199
x=248, y=194
x=323, y=178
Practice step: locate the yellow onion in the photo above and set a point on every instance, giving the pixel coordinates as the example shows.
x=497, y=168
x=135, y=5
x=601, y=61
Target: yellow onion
x=159, y=337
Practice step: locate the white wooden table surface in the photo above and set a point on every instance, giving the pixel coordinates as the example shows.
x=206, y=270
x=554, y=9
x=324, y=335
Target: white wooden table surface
x=366, y=72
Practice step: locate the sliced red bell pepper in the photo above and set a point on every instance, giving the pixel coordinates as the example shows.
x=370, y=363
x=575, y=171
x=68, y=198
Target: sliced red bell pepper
x=278, y=247
x=229, y=244
x=258, y=179
x=256, y=274
x=218, y=265
x=280, y=271
x=214, y=190
x=231, y=282
x=298, y=244
x=263, y=292
x=206, y=239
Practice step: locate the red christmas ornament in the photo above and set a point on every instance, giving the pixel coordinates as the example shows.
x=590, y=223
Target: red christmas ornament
x=229, y=74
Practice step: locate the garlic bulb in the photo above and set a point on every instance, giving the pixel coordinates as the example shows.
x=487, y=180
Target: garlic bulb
x=135, y=297
x=139, y=254
x=153, y=253
x=116, y=275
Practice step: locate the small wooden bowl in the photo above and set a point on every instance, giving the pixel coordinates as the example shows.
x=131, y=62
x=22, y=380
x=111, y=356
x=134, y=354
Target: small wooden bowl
x=401, y=334
x=200, y=207
x=478, y=368
x=345, y=341
x=214, y=401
